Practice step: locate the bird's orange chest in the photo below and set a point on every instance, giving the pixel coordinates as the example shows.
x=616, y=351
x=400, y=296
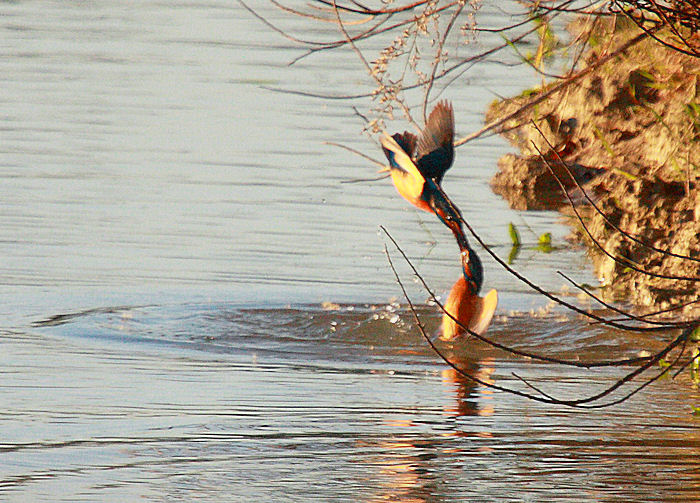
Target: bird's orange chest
x=411, y=189
x=460, y=304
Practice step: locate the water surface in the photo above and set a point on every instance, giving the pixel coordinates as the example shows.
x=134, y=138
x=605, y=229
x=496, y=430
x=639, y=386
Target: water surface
x=171, y=230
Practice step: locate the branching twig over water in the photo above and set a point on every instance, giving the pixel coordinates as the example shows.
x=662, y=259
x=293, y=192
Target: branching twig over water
x=420, y=58
x=586, y=402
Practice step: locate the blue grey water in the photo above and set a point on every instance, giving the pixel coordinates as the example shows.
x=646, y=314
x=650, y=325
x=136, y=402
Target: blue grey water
x=194, y=307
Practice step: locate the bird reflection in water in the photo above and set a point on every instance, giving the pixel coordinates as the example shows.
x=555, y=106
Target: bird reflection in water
x=468, y=395
x=405, y=468
x=410, y=461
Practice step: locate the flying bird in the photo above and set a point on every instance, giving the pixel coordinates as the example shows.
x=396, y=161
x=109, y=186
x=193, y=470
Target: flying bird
x=418, y=164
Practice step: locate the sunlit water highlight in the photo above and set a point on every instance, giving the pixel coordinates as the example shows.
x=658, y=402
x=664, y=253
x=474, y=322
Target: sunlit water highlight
x=170, y=232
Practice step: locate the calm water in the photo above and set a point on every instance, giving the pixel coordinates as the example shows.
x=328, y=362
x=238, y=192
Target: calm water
x=170, y=230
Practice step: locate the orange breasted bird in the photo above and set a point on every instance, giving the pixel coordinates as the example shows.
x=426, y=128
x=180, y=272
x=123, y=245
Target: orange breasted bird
x=464, y=302
x=417, y=165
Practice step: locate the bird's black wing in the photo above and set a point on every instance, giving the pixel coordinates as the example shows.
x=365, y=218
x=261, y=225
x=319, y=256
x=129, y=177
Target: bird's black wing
x=435, y=151
x=406, y=141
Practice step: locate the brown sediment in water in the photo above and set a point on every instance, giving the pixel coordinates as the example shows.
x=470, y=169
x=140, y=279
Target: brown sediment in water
x=634, y=146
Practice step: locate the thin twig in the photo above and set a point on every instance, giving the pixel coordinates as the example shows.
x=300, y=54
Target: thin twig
x=628, y=316
x=357, y=152
x=514, y=351
x=581, y=402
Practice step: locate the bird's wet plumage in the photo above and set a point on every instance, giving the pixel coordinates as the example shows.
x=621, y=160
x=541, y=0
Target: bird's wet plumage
x=464, y=302
x=470, y=310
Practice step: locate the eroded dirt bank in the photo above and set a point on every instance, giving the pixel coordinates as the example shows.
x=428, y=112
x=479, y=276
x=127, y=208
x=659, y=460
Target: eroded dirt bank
x=630, y=133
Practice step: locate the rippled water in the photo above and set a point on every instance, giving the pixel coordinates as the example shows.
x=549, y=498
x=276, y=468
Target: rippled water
x=195, y=308
x=219, y=402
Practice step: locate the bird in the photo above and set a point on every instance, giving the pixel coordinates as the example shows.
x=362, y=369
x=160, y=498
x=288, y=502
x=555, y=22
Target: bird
x=464, y=303
x=418, y=164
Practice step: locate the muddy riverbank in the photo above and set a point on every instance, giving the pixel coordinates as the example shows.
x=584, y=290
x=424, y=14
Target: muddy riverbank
x=629, y=132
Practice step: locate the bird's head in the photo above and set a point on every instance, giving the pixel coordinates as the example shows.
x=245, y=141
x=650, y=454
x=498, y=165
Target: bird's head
x=472, y=270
